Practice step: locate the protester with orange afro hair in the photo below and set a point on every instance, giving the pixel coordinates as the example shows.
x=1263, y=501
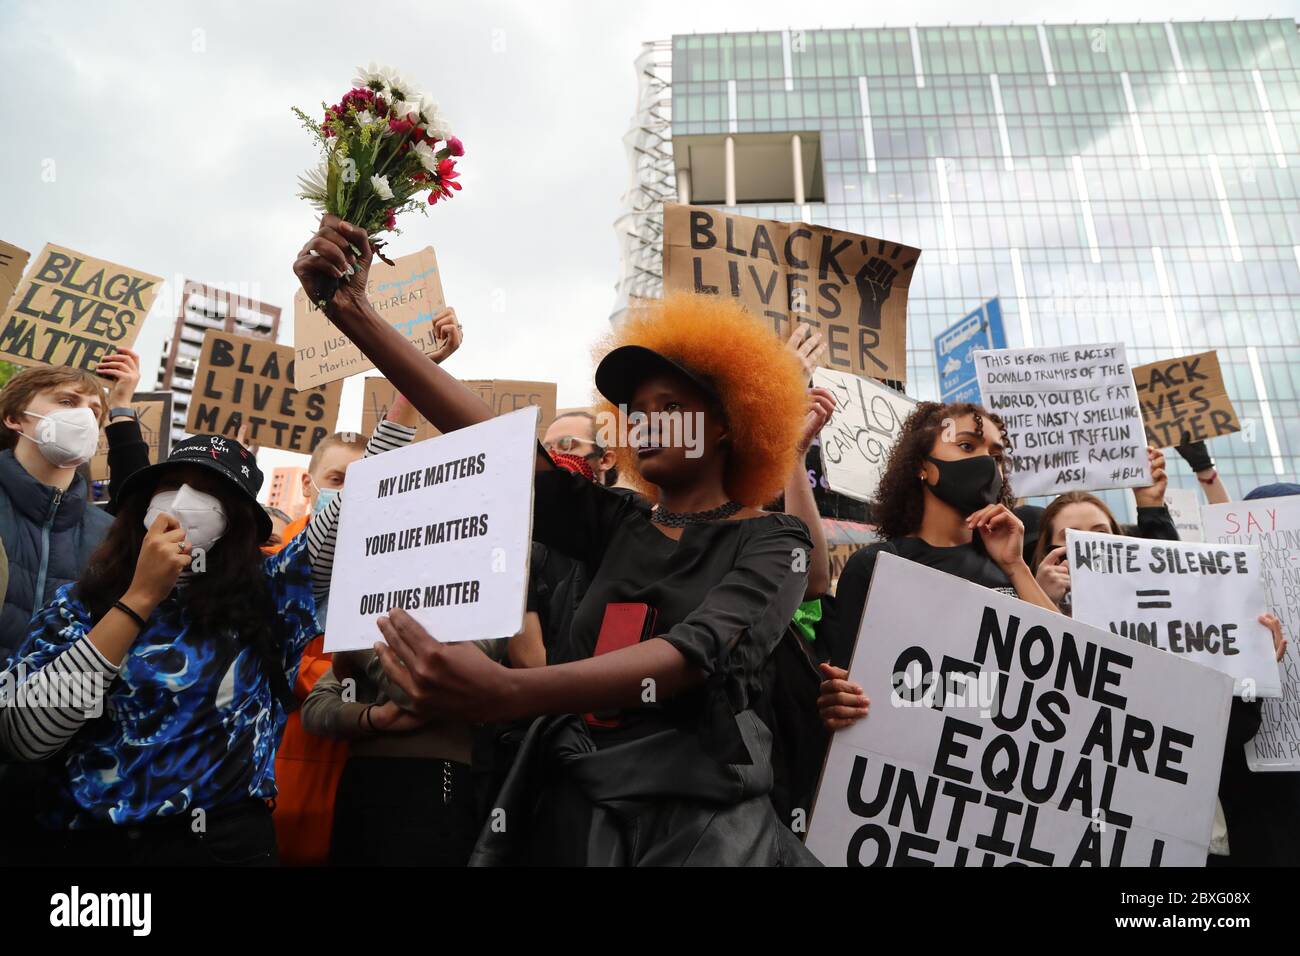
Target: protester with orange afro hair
x=649, y=750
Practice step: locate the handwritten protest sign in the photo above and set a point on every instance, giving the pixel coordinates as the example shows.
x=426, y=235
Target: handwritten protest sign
x=243, y=379
x=1273, y=526
x=72, y=309
x=1185, y=508
x=1002, y=733
x=1184, y=399
x=155, y=411
x=856, y=442
x=442, y=529
x=1198, y=601
x=503, y=395
x=1072, y=414
x=853, y=288
x=13, y=261
x=407, y=295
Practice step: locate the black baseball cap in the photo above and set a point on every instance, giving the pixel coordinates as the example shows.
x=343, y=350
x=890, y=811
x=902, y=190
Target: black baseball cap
x=622, y=370
x=225, y=456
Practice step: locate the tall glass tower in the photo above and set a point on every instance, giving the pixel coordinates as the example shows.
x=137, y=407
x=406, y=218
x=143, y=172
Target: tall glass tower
x=1135, y=182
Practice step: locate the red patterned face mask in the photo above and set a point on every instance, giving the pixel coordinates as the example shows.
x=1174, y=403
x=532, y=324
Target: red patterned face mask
x=574, y=463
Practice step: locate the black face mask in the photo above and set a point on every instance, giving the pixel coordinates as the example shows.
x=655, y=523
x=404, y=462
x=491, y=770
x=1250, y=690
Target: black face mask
x=968, y=484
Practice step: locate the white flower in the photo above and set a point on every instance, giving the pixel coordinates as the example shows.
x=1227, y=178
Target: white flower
x=433, y=119
x=315, y=186
x=407, y=109
x=425, y=154
x=372, y=77
x=398, y=86
x=382, y=189
x=364, y=118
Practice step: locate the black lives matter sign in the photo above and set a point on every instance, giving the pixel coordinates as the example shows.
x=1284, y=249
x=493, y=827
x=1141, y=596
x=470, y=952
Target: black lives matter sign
x=1001, y=733
x=852, y=288
x=73, y=309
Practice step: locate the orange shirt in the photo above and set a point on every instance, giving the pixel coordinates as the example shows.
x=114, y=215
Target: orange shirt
x=307, y=767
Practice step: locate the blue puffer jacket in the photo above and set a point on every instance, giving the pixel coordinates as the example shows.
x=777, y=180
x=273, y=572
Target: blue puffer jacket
x=48, y=535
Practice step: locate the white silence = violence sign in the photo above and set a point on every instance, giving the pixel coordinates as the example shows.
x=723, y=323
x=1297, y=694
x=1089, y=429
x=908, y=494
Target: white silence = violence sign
x=856, y=442
x=441, y=528
x=1198, y=601
x=1058, y=744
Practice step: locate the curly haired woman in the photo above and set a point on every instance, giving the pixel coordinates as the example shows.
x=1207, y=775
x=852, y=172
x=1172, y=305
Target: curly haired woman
x=669, y=764
x=943, y=502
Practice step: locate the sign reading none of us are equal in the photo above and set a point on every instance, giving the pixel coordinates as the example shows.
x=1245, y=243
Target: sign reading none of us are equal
x=407, y=295
x=856, y=443
x=1072, y=414
x=1003, y=733
x=1272, y=525
x=853, y=288
x=1198, y=601
x=442, y=529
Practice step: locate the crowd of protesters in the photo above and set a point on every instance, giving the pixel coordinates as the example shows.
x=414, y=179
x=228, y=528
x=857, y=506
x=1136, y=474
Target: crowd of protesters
x=218, y=731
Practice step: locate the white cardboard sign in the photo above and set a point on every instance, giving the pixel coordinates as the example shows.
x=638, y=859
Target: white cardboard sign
x=1198, y=601
x=1272, y=525
x=1001, y=732
x=1072, y=414
x=441, y=528
x=856, y=442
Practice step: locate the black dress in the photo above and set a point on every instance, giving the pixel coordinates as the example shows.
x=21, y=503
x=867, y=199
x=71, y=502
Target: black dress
x=683, y=780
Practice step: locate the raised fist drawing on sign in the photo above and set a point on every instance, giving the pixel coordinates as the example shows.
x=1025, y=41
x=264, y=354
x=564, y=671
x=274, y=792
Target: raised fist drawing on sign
x=874, y=281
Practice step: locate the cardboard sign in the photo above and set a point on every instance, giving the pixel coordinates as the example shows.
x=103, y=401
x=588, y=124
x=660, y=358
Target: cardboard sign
x=243, y=379
x=1184, y=400
x=13, y=261
x=73, y=310
x=955, y=347
x=853, y=288
x=407, y=295
x=1273, y=526
x=1198, y=601
x=442, y=529
x=1003, y=733
x=1185, y=508
x=155, y=411
x=1072, y=415
x=504, y=395
x=856, y=442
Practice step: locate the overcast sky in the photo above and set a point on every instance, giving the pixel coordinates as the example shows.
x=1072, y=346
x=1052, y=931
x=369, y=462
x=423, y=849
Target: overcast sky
x=174, y=150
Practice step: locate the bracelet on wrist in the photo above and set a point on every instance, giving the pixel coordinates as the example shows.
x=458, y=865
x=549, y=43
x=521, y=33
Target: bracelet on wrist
x=139, y=621
x=1214, y=476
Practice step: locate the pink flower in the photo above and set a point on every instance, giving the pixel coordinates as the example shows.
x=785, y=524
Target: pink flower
x=454, y=146
x=390, y=222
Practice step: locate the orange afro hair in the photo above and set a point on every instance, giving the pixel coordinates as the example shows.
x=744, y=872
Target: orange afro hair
x=759, y=381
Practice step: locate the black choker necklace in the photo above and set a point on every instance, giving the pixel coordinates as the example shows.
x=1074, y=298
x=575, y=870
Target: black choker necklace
x=676, y=519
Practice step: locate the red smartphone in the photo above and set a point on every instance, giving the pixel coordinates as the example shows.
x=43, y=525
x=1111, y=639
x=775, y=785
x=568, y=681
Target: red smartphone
x=624, y=624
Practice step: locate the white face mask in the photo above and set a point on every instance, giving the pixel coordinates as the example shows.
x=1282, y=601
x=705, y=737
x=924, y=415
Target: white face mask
x=199, y=513
x=66, y=438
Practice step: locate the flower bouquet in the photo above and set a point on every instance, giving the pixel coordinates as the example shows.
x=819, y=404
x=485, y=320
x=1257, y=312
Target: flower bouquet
x=384, y=144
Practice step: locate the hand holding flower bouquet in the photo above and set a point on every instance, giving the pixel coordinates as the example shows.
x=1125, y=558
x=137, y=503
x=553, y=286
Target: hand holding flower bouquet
x=384, y=145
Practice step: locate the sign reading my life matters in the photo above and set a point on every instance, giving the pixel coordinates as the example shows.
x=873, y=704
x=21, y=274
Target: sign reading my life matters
x=441, y=528
x=1201, y=602
x=856, y=442
x=72, y=309
x=853, y=288
x=1272, y=525
x=1002, y=733
x=407, y=295
x=1072, y=414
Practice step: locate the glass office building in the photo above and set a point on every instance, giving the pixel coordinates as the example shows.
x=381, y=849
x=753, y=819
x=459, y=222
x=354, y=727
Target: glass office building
x=1135, y=182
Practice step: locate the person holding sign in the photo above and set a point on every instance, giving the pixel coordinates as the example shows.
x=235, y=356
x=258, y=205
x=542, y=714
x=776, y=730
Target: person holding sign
x=193, y=635
x=688, y=600
x=944, y=501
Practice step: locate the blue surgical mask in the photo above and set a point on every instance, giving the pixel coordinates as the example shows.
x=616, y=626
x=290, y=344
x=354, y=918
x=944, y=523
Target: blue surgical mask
x=323, y=497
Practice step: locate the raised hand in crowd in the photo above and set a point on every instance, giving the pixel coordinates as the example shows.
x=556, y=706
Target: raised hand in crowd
x=241, y=436
x=164, y=554
x=1198, y=459
x=123, y=367
x=808, y=346
x=1274, y=625
x=337, y=252
x=840, y=702
x=447, y=331
x=1153, y=495
x=1053, y=574
x=799, y=500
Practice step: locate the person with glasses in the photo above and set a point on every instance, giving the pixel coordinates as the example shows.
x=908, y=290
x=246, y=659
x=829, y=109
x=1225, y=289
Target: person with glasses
x=574, y=433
